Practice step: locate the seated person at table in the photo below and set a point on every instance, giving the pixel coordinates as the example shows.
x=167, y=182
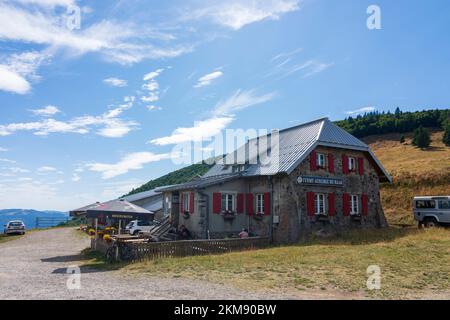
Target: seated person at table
x=243, y=234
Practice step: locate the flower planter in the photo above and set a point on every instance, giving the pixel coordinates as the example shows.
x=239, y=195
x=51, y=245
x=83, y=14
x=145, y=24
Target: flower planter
x=258, y=217
x=228, y=215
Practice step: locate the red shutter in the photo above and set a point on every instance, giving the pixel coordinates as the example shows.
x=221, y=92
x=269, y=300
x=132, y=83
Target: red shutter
x=313, y=161
x=267, y=203
x=346, y=204
x=310, y=203
x=191, y=202
x=181, y=203
x=217, y=202
x=361, y=166
x=249, y=204
x=344, y=164
x=331, y=208
x=365, y=204
x=330, y=163
x=240, y=203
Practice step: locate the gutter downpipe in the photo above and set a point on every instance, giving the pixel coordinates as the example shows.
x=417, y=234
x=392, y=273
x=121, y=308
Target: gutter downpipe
x=271, y=209
x=207, y=213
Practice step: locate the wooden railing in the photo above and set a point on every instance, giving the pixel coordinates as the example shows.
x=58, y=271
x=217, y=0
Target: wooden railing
x=170, y=249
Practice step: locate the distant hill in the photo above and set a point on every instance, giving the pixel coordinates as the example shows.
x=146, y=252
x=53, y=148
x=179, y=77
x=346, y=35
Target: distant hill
x=28, y=216
x=176, y=177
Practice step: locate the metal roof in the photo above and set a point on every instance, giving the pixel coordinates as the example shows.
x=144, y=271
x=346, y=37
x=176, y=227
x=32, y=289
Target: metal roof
x=82, y=210
x=142, y=195
x=201, y=183
x=294, y=146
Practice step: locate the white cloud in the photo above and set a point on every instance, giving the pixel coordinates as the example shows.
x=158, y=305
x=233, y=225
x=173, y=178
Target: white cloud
x=3, y=149
x=46, y=169
x=47, y=111
x=361, y=110
x=132, y=161
x=76, y=177
x=16, y=170
x=115, y=82
x=13, y=82
x=109, y=124
x=153, y=108
x=207, y=79
x=241, y=100
x=151, y=86
x=7, y=160
x=124, y=43
x=236, y=14
x=221, y=118
x=199, y=132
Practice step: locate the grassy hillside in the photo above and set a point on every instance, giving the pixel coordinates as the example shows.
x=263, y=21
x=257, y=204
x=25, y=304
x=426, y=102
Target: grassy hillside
x=175, y=177
x=415, y=172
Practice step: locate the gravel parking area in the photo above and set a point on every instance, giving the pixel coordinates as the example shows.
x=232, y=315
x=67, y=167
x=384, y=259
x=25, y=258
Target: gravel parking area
x=35, y=267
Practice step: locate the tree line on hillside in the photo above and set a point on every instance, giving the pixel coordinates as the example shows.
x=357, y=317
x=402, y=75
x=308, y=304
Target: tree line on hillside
x=374, y=123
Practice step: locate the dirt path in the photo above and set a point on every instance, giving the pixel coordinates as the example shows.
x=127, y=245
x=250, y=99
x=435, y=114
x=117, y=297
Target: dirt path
x=35, y=267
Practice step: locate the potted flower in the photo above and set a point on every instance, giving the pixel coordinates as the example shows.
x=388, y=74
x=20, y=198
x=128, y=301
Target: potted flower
x=228, y=215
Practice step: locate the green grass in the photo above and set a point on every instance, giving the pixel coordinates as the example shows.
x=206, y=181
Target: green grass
x=413, y=263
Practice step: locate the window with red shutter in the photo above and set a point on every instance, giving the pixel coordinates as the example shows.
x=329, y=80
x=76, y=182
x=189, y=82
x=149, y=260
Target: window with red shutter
x=180, y=208
x=310, y=203
x=313, y=161
x=346, y=204
x=344, y=164
x=217, y=202
x=240, y=203
x=249, y=204
x=191, y=202
x=267, y=203
x=365, y=204
x=361, y=166
x=330, y=163
x=331, y=207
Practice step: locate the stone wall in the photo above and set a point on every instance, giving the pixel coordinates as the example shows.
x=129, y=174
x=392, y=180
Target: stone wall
x=291, y=204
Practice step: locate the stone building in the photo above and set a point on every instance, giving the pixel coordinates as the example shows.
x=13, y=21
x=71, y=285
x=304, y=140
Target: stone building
x=320, y=178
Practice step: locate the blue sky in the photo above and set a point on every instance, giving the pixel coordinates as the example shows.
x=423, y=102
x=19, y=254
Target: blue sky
x=87, y=114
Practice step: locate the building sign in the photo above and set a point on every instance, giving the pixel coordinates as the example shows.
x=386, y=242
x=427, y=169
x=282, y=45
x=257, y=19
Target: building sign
x=323, y=181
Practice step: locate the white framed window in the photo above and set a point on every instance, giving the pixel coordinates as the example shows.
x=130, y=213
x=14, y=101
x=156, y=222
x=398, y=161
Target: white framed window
x=186, y=200
x=320, y=159
x=319, y=203
x=260, y=203
x=229, y=202
x=354, y=204
x=351, y=164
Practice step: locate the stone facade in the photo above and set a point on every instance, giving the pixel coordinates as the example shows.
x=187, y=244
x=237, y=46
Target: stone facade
x=288, y=220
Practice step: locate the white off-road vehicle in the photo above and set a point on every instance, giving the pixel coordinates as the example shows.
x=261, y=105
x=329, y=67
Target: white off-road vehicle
x=432, y=211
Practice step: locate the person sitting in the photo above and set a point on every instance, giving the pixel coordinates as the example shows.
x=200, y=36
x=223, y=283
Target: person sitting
x=184, y=233
x=243, y=234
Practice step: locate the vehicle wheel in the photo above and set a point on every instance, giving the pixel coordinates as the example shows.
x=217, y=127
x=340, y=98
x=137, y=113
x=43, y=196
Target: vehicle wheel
x=431, y=223
x=136, y=232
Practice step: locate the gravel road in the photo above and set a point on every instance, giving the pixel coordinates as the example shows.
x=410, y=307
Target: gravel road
x=35, y=267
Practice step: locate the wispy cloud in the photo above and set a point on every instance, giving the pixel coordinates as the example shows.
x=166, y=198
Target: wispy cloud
x=3, y=149
x=241, y=100
x=151, y=86
x=132, y=161
x=13, y=82
x=47, y=111
x=108, y=124
x=207, y=79
x=115, y=82
x=361, y=110
x=7, y=160
x=236, y=14
x=222, y=116
x=200, y=131
x=46, y=170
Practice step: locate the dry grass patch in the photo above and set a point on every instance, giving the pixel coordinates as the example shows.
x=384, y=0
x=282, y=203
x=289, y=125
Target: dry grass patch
x=412, y=261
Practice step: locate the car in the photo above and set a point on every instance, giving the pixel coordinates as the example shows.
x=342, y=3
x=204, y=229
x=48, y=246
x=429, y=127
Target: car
x=140, y=226
x=14, y=227
x=432, y=211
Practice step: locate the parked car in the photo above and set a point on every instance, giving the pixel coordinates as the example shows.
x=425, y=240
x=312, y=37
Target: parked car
x=139, y=226
x=432, y=211
x=14, y=227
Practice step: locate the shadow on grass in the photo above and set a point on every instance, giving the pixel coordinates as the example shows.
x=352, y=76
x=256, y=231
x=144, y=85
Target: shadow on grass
x=69, y=258
x=96, y=262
